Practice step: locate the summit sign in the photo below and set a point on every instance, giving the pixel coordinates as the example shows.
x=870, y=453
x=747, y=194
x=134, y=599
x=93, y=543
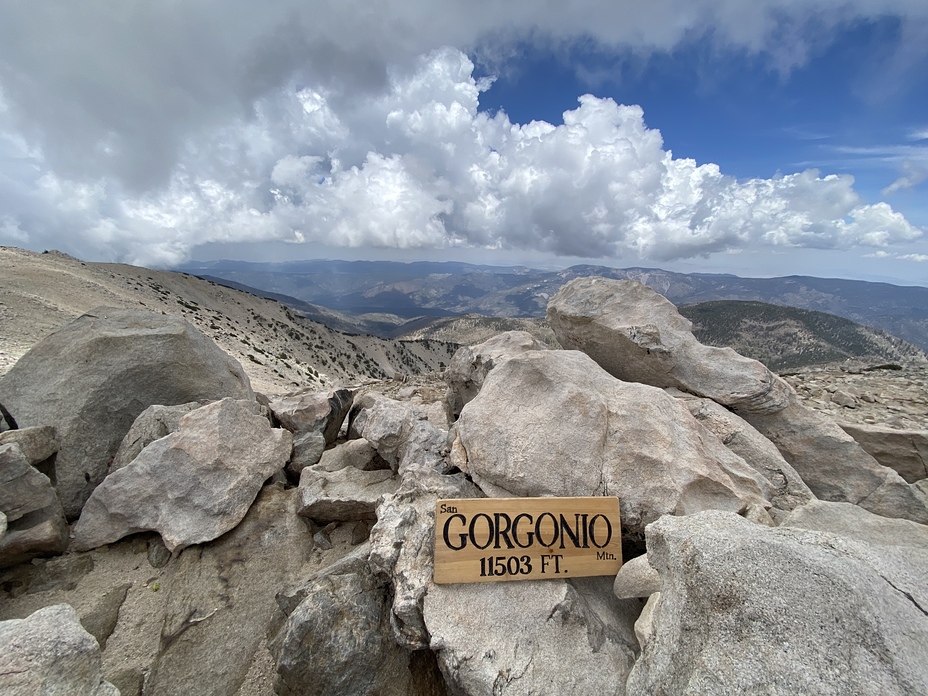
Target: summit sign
x=498, y=539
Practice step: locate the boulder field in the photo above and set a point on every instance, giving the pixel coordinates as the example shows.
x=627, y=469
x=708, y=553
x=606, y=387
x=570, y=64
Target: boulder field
x=165, y=530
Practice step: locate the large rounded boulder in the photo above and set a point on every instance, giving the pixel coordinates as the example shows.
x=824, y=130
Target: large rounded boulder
x=94, y=376
x=555, y=423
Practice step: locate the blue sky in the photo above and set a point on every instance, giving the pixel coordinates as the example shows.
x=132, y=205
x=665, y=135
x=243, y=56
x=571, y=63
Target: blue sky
x=761, y=138
x=740, y=111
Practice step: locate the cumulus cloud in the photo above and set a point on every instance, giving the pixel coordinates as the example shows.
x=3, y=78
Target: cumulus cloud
x=149, y=131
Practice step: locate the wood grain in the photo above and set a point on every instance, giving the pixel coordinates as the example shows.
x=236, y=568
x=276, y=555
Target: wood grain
x=504, y=539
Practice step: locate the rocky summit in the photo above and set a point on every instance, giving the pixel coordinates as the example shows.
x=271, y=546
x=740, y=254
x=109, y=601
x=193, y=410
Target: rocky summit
x=164, y=529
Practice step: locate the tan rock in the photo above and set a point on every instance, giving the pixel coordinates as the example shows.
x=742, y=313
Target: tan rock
x=344, y=495
x=905, y=451
x=91, y=378
x=555, y=423
x=190, y=486
x=470, y=364
x=636, y=578
x=639, y=336
x=49, y=652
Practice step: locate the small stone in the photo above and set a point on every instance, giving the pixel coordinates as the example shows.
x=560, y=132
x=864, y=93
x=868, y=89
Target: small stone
x=158, y=554
x=360, y=532
x=842, y=398
x=636, y=578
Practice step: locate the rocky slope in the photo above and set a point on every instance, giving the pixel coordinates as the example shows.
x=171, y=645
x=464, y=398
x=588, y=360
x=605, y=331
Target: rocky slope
x=786, y=338
x=279, y=349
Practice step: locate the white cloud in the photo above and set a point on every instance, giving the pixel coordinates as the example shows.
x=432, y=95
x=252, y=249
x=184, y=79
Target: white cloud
x=913, y=173
x=918, y=134
x=147, y=132
x=119, y=94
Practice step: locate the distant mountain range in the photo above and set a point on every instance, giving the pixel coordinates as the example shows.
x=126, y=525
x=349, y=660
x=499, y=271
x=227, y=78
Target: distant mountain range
x=380, y=296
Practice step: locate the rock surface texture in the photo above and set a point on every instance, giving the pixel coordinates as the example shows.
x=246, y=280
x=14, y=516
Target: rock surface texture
x=33, y=521
x=637, y=335
x=338, y=640
x=313, y=411
x=531, y=637
x=401, y=434
x=748, y=609
x=905, y=451
x=471, y=364
x=154, y=423
x=788, y=488
x=50, y=653
x=571, y=429
x=346, y=494
x=191, y=486
x=221, y=599
x=91, y=378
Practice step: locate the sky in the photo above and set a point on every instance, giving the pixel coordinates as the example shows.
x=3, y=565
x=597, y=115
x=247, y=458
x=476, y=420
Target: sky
x=760, y=138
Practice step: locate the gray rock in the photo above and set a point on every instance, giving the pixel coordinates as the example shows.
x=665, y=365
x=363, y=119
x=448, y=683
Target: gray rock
x=91, y=378
x=63, y=573
x=403, y=544
x=537, y=637
x=361, y=532
x=128, y=681
x=788, y=488
x=338, y=639
x=322, y=539
x=22, y=488
x=220, y=599
x=842, y=398
x=312, y=410
x=571, y=429
x=289, y=598
x=100, y=621
x=639, y=336
x=37, y=443
x=308, y=448
x=343, y=495
x=644, y=626
x=834, y=466
x=152, y=424
x=191, y=486
x=2, y=525
x=34, y=523
x=157, y=552
x=359, y=454
x=781, y=611
x=49, y=653
x=40, y=533
x=905, y=451
x=854, y=522
x=400, y=433
x=636, y=578
x=436, y=413
x=470, y=365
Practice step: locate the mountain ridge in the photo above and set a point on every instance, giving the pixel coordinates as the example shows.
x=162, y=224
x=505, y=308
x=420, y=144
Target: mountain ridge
x=406, y=291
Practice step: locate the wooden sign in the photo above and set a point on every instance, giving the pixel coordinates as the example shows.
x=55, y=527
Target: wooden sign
x=494, y=539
